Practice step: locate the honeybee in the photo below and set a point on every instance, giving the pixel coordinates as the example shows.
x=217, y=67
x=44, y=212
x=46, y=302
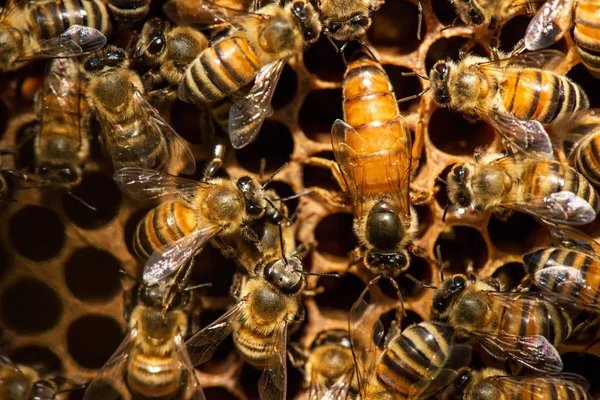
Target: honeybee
x=127, y=13
x=268, y=302
x=329, y=367
x=495, y=12
x=532, y=183
x=583, y=135
x=173, y=232
x=556, y=17
x=495, y=384
x=574, y=275
x=372, y=149
x=152, y=360
x=521, y=327
x=257, y=47
x=513, y=94
x=50, y=29
x=415, y=364
x=346, y=20
x=62, y=144
x=134, y=133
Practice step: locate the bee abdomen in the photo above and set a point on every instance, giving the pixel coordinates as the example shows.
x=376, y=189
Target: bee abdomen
x=254, y=347
x=542, y=96
x=54, y=17
x=163, y=225
x=586, y=156
x=153, y=376
x=587, y=34
x=129, y=12
x=218, y=71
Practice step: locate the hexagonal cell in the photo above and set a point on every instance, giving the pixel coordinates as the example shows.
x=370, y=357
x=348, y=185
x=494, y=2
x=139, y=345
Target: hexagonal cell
x=395, y=24
x=320, y=177
x=30, y=306
x=92, y=275
x=44, y=241
x=404, y=86
x=249, y=380
x=322, y=60
x=5, y=261
x=218, y=393
x=39, y=357
x=516, y=235
x=335, y=235
x=425, y=218
x=449, y=48
x=445, y=12
x=274, y=143
x=319, y=110
x=98, y=191
x=91, y=339
x=461, y=246
x=25, y=161
x=450, y=132
x=338, y=293
x=204, y=271
x=510, y=274
x=283, y=191
x=286, y=88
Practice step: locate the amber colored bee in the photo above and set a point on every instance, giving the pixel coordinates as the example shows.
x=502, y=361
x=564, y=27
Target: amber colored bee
x=152, y=360
x=480, y=12
x=522, y=327
x=556, y=17
x=50, y=29
x=495, y=384
x=62, y=144
x=173, y=232
x=372, y=147
x=133, y=131
x=128, y=13
x=256, y=47
x=582, y=134
x=346, y=20
x=574, y=275
x=513, y=94
x=268, y=302
x=415, y=364
x=532, y=183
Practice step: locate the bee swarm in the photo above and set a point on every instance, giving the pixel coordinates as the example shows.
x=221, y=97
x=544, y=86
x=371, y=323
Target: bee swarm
x=62, y=297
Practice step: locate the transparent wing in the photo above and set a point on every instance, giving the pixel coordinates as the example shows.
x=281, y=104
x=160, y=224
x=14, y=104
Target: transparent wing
x=75, y=41
x=247, y=115
x=526, y=136
x=350, y=163
x=6, y=363
x=205, y=12
x=192, y=390
x=366, y=334
x=272, y=384
x=571, y=238
x=339, y=390
x=168, y=259
x=549, y=24
x=560, y=207
x=542, y=59
x=567, y=384
x=113, y=372
x=202, y=345
x=146, y=184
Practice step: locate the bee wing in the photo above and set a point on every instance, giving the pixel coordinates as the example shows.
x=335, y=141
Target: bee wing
x=549, y=24
x=349, y=161
x=569, y=237
x=205, y=12
x=542, y=59
x=147, y=184
x=339, y=390
x=247, y=115
x=526, y=136
x=560, y=207
x=167, y=260
x=272, y=384
x=365, y=336
x=114, y=370
x=532, y=387
x=202, y=345
x=75, y=41
x=193, y=390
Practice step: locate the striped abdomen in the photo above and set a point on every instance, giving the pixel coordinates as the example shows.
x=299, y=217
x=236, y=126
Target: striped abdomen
x=586, y=155
x=414, y=356
x=370, y=108
x=587, y=34
x=163, y=225
x=52, y=18
x=546, y=387
x=526, y=317
x=543, y=178
x=583, y=287
x=534, y=94
x=153, y=375
x=129, y=12
x=255, y=347
x=219, y=71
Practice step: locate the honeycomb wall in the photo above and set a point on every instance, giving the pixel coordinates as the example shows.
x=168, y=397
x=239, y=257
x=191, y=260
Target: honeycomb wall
x=62, y=297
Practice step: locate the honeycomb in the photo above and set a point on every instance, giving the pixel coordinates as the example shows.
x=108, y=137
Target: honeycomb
x=62, y=298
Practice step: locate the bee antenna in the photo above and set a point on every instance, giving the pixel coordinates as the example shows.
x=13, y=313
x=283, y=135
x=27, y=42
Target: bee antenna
x=418, y=282
x=133, y=278
x=190, y=288
x=415, y=73
x=414, y=96
x=79, y=199
x=446, y=211
x=330, y=274
x=282, y=244
x=273, y=175
x=441, y=180
x=438, y=255
x=261, y=168
x=277, y=208
x=295, y=196
x=399, y=294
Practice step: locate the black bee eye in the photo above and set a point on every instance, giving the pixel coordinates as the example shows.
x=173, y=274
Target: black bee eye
x=157, y=45
x=360, y=20
x=461, y=173
x=334, y=27
x=44, y=170
x=68, y=174
x=91, y=63
x=476, y=17
x=441, y=69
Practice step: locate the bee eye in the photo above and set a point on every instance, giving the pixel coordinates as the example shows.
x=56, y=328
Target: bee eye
x=360, y=20
x=157, y=45
x=334, y=27
x=91, y=63
x=475, y=16
x=68, y=174
x=441, y=69
x=461, y=173
x=44, y=170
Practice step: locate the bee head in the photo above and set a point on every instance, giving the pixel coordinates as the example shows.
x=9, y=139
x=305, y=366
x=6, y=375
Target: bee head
x=285, y=274
x=309, y=19
x=155, y=295
x=254, y=196
x=439, y=82
x=459, y=190
x=447, y=294
x=108, y=57
x=348, y=29
x=63, y=174
x=389, y=264
x=152, y=41
x=469, y=13
x=332, y=336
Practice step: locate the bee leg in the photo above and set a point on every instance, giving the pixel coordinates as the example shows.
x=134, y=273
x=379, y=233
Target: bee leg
x=217, y=161
x=161, y=96
x=297, y=356
x=393, y=331
x=152, y=79
x=356, y=257
x=251, y=236
x=465, y=49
